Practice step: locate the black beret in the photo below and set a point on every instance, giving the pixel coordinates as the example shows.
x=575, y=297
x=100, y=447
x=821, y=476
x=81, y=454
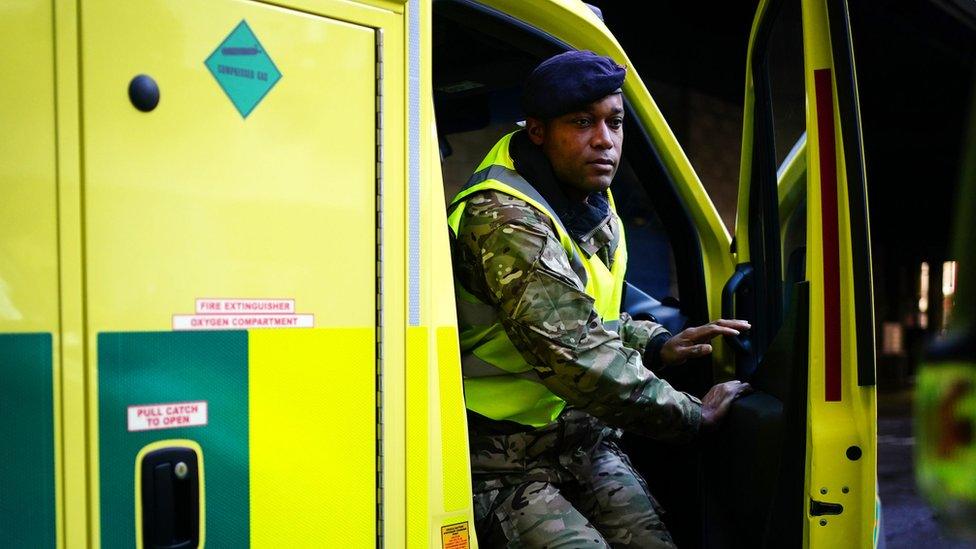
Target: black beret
x=568, y=81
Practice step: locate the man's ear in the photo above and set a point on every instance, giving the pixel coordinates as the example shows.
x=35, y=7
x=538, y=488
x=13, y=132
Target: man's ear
x=536, y=129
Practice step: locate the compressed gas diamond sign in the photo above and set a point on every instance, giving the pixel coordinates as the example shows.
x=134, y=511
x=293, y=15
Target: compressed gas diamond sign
x=243, y=69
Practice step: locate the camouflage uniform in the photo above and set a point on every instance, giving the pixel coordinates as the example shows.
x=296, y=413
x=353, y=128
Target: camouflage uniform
x=565, y=484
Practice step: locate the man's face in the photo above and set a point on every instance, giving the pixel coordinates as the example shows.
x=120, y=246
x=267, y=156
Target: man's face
x=584, y=146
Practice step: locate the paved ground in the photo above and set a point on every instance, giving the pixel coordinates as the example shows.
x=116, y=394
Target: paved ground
x=908, y=522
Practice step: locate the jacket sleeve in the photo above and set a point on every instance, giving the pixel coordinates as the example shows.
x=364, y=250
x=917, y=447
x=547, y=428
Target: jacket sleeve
x=523, y=270
x=644, y=336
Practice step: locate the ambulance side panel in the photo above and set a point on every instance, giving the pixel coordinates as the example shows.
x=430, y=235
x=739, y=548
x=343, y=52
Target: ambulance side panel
x=30, y=488
x=170, y=229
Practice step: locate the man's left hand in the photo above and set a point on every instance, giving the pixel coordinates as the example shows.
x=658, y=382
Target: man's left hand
x=693, y=342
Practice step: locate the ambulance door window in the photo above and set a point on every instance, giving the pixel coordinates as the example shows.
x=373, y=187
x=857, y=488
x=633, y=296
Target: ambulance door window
x=789, y=134
x=779, y=123
x=786, y=86
x=788, y=102
x=755, y=480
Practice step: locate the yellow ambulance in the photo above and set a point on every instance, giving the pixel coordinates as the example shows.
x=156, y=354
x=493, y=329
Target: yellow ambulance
x=226, y=305
x=945, y=394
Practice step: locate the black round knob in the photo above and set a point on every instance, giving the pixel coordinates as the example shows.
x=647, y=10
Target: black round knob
x=854, y=453
x=144, y=93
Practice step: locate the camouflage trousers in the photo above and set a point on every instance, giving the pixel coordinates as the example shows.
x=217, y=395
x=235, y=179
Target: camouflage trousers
x=565, y=485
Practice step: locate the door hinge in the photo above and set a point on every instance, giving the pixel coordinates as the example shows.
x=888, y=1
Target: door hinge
x=379, y=288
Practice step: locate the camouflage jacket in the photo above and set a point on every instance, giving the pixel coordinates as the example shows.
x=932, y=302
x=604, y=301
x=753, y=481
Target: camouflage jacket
x=508, y=254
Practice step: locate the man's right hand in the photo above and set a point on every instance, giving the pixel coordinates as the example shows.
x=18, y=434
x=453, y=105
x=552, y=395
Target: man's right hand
x=718, y=399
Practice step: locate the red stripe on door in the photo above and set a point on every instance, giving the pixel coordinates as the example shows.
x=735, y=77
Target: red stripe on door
x=831, y=245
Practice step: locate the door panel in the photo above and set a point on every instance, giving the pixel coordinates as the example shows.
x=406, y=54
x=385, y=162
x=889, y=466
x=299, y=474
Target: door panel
x=828, y=414
x=842, y=425
x=828, y=405
x=241, y=208
x=30, y=489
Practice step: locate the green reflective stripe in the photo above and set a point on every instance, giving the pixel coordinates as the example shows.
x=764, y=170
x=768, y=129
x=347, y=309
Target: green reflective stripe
x=514, y=399
x=169, y=367
x=27, y=498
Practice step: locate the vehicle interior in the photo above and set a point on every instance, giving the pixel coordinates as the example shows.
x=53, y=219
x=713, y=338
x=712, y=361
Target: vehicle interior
x=741, y=486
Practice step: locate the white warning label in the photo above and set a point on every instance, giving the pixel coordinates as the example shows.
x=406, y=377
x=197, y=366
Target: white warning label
x=148, y=417
x=223, y=313
x=211, y=306
x=241, y=322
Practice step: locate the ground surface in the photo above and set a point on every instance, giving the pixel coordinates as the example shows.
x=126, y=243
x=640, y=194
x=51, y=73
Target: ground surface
x=908, y=521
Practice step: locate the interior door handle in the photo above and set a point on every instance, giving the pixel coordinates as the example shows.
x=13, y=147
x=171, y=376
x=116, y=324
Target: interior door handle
x=738, y=302
x=170, y=497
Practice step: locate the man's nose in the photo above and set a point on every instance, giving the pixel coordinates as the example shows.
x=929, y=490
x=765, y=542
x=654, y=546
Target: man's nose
x=602, y=138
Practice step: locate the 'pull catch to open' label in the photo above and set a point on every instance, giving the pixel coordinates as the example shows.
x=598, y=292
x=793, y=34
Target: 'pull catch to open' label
x=148, y=417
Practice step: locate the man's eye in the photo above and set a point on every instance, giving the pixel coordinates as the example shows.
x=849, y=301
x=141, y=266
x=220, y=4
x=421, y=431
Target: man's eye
x=616, y=123
x=582, y=122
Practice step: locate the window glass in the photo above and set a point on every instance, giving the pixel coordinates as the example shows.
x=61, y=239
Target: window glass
x=784, y=59
x=785, y=62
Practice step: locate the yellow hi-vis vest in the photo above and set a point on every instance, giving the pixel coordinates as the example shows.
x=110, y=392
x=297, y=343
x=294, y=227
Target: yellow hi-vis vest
x=498, y=382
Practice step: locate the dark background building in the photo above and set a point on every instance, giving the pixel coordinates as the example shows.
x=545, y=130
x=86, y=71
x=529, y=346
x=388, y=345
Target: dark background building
x=915, y=68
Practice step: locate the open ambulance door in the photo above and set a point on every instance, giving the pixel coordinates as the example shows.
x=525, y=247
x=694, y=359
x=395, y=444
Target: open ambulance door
x=795, y=463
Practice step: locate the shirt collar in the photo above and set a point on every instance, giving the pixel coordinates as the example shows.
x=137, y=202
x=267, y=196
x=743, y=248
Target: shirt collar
x=586, y=222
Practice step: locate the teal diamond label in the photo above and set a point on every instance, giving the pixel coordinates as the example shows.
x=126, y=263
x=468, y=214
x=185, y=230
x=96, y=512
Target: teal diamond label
x=243, y=69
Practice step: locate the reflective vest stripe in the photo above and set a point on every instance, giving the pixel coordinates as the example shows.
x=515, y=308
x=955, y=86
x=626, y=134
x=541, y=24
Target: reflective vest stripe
x=486, y=178
x=477, y=367
x=495, y=396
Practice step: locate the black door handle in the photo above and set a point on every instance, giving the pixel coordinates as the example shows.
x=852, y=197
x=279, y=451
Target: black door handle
x=738, y=301
x=170, y=491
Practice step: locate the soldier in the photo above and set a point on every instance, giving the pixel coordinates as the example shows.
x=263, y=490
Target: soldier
x=553, y=371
